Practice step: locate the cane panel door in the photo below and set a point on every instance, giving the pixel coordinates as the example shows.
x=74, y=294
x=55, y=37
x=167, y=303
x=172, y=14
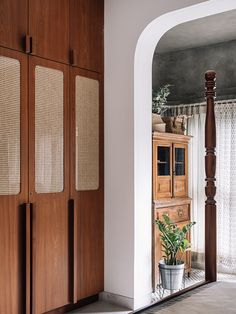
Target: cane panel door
x=49, y=184
x=86, y=188
x=13, y=179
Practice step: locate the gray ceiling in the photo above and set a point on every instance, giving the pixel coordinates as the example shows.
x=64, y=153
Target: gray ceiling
x=202, y=32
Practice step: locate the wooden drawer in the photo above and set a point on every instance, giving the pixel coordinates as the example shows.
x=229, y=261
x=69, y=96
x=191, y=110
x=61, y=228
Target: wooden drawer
x=180, y=214
x=176, y=213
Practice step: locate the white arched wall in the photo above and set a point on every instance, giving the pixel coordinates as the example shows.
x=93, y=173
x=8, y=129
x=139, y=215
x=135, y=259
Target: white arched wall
x=128, y=86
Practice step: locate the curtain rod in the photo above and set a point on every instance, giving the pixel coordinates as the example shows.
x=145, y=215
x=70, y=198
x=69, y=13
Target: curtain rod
x=217, y=102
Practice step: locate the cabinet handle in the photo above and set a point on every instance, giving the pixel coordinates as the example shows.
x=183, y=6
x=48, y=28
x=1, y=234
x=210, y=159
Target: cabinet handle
x=28, y=44
x=73, y=60
x=28, y=256
x=180, y=212
x=73, y=236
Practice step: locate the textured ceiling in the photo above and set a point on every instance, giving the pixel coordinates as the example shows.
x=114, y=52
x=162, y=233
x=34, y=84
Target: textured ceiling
x=202, y=32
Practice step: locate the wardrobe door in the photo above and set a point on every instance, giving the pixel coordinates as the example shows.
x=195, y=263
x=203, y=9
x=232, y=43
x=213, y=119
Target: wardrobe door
x=13, y=179
x=86, y=33
x=13, y=23
x=86, y=187
x=49, y=28
x=49, y=184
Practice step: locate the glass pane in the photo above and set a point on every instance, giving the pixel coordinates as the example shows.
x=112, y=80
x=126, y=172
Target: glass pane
x=9, y=126
x=48, y=130
x=179, y=161
x=163, y=161
x=87, y=133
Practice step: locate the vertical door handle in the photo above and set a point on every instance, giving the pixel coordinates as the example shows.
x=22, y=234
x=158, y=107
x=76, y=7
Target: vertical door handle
x=28, y=257
x=73, y=59
x=31, y=45
x=28, y=44
x=73, y=244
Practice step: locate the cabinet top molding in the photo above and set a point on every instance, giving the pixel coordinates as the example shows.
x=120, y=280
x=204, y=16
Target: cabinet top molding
x=171, y=137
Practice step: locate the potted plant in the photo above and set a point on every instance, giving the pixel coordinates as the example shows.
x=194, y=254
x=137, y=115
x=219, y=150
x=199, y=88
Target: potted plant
x=159, y=100
x=173, y=241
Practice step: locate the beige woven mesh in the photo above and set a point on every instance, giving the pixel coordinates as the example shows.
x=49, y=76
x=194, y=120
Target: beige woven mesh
x=87, y=134
x=9, y=126
x=48, y=130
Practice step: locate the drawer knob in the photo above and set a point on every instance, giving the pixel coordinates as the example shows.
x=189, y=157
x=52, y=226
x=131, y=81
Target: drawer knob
x=180, y=212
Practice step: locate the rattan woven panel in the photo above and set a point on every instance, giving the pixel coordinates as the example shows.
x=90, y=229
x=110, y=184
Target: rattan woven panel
x=9, y=126
x=49, y=130
x=87, y=134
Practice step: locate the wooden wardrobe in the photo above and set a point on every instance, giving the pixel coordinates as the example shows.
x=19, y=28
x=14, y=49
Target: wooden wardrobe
x=51, y=154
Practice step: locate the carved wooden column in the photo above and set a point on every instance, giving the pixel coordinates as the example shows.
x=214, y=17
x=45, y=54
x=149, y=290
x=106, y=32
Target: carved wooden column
x=210, y=189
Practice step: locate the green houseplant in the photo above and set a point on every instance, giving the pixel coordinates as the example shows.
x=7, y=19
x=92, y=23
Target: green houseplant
x=174, y=240
x=159, y=99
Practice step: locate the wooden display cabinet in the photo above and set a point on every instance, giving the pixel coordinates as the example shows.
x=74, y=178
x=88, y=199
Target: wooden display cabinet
x=170, y=165
x=170, y=189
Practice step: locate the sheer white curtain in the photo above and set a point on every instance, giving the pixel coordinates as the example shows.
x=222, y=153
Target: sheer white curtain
x=226, y=185
x=196, y=128
x=225, y=181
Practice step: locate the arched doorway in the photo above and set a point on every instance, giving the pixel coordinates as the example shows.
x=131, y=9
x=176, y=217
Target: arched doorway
x=142, y=132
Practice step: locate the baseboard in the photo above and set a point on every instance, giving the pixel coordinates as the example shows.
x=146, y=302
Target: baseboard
x=143, y=301
x=71, y=307
x=117, y=299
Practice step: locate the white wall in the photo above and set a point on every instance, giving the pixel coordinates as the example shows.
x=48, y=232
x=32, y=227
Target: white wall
x=130, y=40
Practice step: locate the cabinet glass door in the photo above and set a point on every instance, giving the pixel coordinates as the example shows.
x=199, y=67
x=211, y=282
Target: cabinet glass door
x=162, y=170
x=179, y=161
x=163, y=161
x=180, y=170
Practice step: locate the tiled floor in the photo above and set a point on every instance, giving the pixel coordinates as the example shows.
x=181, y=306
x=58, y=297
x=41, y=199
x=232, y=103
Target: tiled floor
x=196, y=276
x=102, y=307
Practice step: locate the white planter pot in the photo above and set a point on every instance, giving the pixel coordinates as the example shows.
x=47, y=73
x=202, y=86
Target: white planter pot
x=171, y=275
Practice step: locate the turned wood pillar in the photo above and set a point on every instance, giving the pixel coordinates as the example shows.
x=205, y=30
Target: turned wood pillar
x=210, y=189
